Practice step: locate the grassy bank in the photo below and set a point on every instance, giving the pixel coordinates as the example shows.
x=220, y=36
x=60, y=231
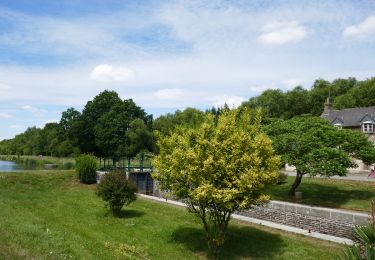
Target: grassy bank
x=50, y=215
x=352, y=195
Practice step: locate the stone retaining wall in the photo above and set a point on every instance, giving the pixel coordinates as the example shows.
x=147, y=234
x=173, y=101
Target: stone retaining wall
x=353, y=217
x=333, y=222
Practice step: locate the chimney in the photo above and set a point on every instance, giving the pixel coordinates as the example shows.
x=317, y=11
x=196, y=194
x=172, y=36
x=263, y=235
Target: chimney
x=327, y=107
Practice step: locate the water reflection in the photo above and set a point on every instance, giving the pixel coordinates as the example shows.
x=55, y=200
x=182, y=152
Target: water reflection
x=7, y=166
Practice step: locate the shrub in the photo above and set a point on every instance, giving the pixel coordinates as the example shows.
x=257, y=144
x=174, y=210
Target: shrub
x=117, y=191
x=364, y=246
x=86, y=166
x=282, y=177
x=68, y=166
x=218, y=168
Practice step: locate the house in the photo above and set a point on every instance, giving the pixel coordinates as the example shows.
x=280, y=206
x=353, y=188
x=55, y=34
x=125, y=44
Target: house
x=357, y=119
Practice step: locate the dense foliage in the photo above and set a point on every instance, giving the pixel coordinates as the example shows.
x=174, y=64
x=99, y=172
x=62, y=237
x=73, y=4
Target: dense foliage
x=345, y=93
x=86, y=166
x=117, y=191
x=217, y=168
x=111, y=127
x=106, y=121
x=107, y=127
x=315, y=147
x=364, y=248
x=190, y=117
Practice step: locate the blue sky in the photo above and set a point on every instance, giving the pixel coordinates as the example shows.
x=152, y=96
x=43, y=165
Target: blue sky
x=168, y=55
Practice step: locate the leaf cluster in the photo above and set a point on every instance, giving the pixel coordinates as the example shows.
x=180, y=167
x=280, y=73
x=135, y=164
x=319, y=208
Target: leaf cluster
x=223, y=165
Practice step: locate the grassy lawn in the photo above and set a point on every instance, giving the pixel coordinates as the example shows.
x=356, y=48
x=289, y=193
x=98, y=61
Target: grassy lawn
x=352, y=195
x=50, y=215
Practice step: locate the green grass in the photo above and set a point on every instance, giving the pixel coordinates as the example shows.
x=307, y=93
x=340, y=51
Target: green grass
x=352, y=195
x=50, y=215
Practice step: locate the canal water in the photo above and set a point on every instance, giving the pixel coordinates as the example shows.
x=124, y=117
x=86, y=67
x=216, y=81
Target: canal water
x=7, y=166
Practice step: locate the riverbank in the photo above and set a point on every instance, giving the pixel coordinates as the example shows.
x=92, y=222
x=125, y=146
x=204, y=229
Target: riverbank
x=29, y=162
x=48, y=214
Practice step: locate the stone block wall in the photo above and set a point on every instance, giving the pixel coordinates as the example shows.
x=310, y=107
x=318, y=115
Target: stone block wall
x=332, y=222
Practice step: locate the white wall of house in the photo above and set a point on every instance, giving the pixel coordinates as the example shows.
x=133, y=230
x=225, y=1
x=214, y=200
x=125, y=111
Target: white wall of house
x=362, y=167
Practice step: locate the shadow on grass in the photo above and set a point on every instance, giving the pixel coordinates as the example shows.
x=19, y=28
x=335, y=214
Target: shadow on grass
x=127, y=213
x=241, y=242
x=328, y=194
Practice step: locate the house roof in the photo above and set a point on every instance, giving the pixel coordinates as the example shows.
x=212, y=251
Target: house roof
x=351, y=117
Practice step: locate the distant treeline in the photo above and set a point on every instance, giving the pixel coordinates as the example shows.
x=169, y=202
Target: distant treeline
x=106, y=127
x=343, y=93
x=111, y=127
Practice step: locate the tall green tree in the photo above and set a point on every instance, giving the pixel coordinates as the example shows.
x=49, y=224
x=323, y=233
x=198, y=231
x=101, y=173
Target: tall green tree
x=362, y=95
x=217, y=168
x=297, y=102
x=138, y=138
x=271, y=101
x=189, y=117
x=315, y=147
x=318, y=94
x=68, y=118
x=111, y=130
x=93, y=111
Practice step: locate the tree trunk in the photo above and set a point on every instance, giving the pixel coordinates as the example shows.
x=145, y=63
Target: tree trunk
x=296, y=183
x=215, y=223
x=216, y=232
x=116, y=210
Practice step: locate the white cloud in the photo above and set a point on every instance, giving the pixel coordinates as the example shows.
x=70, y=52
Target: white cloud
x=364, y=28
x=16, y=127
x=51, y=121
x=169, y=93
x=182, y=52
x=293, y=82
x=282, y=32
x=107, y=73
x=231, y=101
x=5, y=116
x=4, y=86
x=35, y=111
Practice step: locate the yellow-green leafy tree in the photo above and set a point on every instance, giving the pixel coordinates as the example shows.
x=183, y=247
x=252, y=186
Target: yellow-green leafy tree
x=218, y=168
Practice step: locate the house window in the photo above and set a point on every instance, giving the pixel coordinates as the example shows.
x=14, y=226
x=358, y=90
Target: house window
x=338, y=125
x=368, y=127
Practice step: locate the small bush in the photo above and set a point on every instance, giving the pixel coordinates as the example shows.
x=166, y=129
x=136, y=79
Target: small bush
x=281, y=178
x=364, y=246
x=117, y=191
x=86, y=166
x=68, y=166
